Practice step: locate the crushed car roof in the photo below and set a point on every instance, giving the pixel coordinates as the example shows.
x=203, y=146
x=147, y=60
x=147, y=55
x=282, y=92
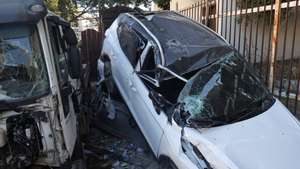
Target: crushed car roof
x=183, y=41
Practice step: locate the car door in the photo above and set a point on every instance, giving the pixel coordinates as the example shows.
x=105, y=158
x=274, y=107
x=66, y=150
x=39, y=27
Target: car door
x=66, y=108
x=122, y=58
x=138, y=101
x=145, y=108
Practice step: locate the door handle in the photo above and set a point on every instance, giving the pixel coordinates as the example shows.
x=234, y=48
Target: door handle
x=131, y=85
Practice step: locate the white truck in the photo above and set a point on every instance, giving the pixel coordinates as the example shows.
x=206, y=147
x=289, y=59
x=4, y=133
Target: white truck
x=39, y=86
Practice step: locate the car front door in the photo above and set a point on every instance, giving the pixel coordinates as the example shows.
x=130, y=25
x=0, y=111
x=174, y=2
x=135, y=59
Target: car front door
x=139, y=103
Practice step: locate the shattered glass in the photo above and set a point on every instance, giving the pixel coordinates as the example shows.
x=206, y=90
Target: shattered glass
x=182, y=40
x=23, y=71
x=224, y=92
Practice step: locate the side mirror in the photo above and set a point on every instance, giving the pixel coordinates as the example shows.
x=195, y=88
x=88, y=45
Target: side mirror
x=74, y=62
x=70, y=36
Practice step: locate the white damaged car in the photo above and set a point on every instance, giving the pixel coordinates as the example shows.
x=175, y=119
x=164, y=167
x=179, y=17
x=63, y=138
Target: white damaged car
x=197, y=101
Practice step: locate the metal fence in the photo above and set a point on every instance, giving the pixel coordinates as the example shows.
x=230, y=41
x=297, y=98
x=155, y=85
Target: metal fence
x=91, y=41
x=266, y=32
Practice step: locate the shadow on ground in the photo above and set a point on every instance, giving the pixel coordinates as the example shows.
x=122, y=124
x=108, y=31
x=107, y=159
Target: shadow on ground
x=117, y=143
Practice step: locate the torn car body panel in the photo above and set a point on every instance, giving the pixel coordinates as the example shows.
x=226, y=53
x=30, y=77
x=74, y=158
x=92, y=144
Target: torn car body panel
x=269, y=140
x=194, y=96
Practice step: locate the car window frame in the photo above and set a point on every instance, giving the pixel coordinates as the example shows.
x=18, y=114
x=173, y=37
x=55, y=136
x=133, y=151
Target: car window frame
x=149, y=44
x=138, y=68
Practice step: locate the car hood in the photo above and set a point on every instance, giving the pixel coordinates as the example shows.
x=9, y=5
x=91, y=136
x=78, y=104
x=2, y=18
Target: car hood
x=268, y=141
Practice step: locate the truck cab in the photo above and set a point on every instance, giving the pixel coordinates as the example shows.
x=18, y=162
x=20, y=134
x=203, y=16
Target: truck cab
x=39, y=86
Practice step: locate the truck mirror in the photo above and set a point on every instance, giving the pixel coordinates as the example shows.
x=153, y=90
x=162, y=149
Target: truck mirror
x=74, y=62
x=70, y=36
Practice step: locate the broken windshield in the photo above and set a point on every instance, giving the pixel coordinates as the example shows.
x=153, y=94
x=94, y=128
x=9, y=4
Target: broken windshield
x=22, y=68
x=224, y=92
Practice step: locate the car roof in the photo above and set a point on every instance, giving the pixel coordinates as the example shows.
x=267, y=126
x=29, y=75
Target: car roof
x=182, y=40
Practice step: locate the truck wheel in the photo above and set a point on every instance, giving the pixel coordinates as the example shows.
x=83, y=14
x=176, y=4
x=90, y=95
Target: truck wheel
x=77, y=161
x=78, y=164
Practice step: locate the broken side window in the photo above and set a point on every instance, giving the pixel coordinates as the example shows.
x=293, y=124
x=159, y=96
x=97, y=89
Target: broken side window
x=131, y=43
x=224, y=92
x=146, y=65
x=23, y=72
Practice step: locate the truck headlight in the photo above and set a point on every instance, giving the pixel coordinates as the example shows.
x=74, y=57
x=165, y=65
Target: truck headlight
x=194, y=154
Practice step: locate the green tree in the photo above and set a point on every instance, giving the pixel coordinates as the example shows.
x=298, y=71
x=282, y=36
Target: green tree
x=72, y=10
x=164, y=4
x=101, y=5
x=65, y=8
x=52, y=5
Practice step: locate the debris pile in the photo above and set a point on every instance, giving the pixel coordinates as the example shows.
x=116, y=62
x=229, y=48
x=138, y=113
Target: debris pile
x=104, y=151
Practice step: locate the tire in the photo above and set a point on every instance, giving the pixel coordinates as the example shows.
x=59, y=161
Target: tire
x=77, y=160
x=78, y=164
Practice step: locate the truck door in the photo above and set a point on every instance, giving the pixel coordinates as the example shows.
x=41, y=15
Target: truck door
x=68, y=117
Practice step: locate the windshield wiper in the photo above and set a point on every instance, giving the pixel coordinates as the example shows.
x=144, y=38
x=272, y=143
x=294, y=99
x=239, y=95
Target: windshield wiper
x=208, y=122
x=248, y=114
x=254, y=108
x=5, y=105
x=16, y=106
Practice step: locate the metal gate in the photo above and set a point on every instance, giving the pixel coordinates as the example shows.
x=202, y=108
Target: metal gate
x=266, y=32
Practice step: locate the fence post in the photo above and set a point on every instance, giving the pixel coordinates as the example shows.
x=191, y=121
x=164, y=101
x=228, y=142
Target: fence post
x=219, y=16
x=276, y=29
x=206, y=12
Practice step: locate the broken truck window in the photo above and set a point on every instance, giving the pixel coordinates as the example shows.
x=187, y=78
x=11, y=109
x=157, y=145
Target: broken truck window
x=226, y=91
x=23, y=71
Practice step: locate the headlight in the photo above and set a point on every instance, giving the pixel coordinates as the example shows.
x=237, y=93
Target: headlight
x=194, y=154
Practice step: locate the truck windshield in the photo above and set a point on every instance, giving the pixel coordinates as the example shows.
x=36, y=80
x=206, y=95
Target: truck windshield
x=23, y=73
x=224, y=92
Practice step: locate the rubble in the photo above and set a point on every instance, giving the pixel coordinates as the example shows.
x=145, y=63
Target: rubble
x=106, y=151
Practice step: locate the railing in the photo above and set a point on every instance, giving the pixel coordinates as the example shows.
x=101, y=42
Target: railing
x=266, y=32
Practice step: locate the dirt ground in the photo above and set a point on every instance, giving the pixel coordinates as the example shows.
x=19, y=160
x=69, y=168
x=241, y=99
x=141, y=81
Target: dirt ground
x=117, y=143
x=109, y=152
